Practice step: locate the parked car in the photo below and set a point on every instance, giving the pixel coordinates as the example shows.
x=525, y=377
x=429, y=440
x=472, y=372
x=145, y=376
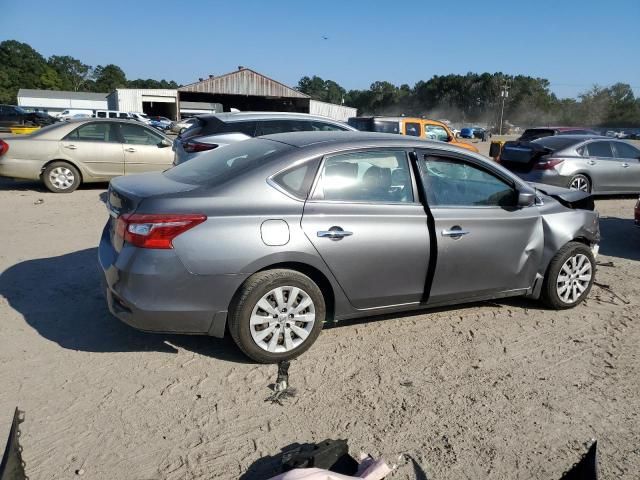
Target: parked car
x=466, y=132
x=594, y=164
x=140, y=117
x=539, y=132
x=636, y=213
x=73, y=113
x=14, y=116
x=480, y=133
x=180, y=126
x=161, y=123
x=273, y=236
x=415, y=127
x=214, y=131
x=67, y=154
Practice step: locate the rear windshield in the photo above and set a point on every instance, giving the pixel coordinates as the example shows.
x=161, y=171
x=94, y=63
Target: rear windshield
x=557, y=142
x=533, y=133
x=226, y=163
x=374, y=125
x=205, y=126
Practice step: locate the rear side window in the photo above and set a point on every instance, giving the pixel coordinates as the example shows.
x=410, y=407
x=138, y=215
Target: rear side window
x=599, y=149
x=297, y=180
x=269, y=127
x=95, y=132
x=101, y=114
x=224, y=164
x=113, y=115
x=624, y=150
x=326, y=127
x=557, y=142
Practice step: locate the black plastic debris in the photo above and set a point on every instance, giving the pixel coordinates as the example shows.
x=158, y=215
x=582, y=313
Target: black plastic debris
x=586, y=468
x=329, y=454
x=281, y=389
x=12, y=466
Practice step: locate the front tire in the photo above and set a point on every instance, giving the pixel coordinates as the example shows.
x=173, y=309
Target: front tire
x=277, y=315
x=569, y=277
x=61, y=177
x=580, y=182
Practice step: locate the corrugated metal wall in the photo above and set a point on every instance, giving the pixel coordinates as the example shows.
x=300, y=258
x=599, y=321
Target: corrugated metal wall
x=243, y=82
x=130, y=100
x=337, y=112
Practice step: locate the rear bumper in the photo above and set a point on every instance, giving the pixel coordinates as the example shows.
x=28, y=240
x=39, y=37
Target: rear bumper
x=19, y=168
x=151, y=290
x=548, y=177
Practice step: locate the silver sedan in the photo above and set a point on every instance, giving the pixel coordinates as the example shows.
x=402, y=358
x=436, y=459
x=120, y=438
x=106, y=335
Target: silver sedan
x=271, y=237
x=66, y=154
x=593, y=164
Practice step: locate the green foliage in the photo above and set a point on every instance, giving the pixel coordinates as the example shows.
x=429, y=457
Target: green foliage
x=72, y=72
x=322, y=90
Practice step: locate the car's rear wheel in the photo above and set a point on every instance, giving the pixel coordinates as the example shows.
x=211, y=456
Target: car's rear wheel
x=580, y=182
x=277, y=315
x=570, y=276
x=61, y=177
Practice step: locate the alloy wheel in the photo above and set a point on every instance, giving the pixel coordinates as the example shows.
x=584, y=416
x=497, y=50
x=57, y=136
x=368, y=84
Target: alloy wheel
x=574, y=278
x=282, y=319
x=579, y=183
x=62, y=178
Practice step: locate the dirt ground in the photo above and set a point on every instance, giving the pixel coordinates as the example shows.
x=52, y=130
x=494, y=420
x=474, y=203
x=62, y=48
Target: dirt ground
x=502, y=390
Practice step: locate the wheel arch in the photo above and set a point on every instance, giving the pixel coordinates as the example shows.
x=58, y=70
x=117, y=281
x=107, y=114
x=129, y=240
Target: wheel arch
x=63, y=160
x=584, y=174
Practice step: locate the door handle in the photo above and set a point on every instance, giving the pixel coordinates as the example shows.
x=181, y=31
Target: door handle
x=334, y=233
x=130, y=149
x=625, y=165
x=591, y=162
x=70, y=147
x=455, y=232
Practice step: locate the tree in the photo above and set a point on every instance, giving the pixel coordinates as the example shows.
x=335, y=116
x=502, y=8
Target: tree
x=73, y=73
x=21, y=67
x=108, y=78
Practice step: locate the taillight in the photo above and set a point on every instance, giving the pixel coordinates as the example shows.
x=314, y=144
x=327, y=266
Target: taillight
x=155, y=230
x=191, y=146
x=4, y=147
x=548, y=164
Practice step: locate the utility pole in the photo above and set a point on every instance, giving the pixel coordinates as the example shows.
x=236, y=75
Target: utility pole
x=504, y=93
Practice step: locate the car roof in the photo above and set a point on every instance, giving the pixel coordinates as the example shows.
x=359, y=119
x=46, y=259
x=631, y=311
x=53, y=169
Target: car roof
x=578, y=137
x=238, y=116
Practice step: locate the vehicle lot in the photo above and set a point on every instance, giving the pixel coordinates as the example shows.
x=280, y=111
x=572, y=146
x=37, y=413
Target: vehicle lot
x=478, y=392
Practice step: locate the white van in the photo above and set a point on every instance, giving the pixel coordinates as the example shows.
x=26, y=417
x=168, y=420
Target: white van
x=110, y=114
x=73, y=112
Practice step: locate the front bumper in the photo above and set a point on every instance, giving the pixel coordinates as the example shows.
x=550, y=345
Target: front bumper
x=151, y=290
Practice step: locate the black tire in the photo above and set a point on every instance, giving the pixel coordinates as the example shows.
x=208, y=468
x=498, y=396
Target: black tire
x=251, y=292
x=550, y=295
x=581, y=180
x=70, y=172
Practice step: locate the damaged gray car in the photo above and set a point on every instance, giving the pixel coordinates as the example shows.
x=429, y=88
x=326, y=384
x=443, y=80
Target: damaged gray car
x=269, y=238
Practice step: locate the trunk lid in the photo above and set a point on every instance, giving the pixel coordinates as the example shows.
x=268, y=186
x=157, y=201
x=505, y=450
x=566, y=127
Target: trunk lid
x=520, y=157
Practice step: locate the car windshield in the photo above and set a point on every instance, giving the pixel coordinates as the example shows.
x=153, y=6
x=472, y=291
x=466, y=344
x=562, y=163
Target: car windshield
x=223, y=164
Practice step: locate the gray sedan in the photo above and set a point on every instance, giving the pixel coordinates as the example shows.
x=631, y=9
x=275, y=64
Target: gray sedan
x=589, y=163
x=273, y=236
x=66, y=154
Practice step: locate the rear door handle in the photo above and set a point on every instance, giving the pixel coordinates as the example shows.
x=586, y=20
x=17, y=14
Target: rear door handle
x=625, y=165
x=130, y=149
x=591, y=162
x=455, y=232
x=70, y=147
x=334, y=233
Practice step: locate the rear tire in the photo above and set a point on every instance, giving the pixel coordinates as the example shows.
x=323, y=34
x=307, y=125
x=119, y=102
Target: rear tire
x=580, y=182
x=569, y=277
x=61, y=177
x=276, y=315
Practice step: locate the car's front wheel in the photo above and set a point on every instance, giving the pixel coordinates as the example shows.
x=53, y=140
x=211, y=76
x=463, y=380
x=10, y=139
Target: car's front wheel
x=61, y=177
x=277, y=315
x=570, y=276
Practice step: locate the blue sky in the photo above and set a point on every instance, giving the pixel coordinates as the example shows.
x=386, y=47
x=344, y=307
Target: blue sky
x=574, y=44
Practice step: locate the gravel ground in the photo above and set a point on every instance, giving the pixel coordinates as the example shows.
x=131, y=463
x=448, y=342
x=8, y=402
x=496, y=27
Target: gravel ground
x=495, y=390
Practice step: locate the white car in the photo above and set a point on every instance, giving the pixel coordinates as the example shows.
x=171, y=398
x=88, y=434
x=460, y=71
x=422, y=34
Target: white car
x=140, y=117
x=73, y=113
x=180, y=126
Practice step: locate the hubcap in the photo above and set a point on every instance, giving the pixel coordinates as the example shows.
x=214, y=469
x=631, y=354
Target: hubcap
x=579, y=183
x=574, y=278
x=62, y=178
x=282, y=319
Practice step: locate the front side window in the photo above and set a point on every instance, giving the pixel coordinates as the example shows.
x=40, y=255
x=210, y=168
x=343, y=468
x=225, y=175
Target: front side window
x=138, y=135
x=372, y=177
x=600, y=149
x=95, y=132
x=413, y=129
x=454, y=183
x=436, y=132
x=624, y=150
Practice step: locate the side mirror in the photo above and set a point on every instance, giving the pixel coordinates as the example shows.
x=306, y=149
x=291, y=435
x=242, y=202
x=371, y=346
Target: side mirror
x=526, y=199
x=164, y=143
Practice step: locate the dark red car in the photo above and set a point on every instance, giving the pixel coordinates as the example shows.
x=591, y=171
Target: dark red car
x=531, y=134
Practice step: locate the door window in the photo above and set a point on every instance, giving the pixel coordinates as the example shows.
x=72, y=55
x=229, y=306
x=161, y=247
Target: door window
x=269, y=127
x=436, y=132
x=138, y=135
x=372, y=176
x=95, y=132
x=455, y=183
x=624, y=150
x=599, y=149
x=326, y=127
x=413, y=129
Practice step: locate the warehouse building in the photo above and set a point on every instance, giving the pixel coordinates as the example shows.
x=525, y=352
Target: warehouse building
x=244, y=90
x=55, y=101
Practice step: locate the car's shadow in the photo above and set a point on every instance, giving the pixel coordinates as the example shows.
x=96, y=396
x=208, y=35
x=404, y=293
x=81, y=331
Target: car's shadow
x=61, y=298
x=9, y=184
x=620, y=238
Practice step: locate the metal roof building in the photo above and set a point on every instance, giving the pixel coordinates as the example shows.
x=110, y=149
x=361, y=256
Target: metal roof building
x=54, y=101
